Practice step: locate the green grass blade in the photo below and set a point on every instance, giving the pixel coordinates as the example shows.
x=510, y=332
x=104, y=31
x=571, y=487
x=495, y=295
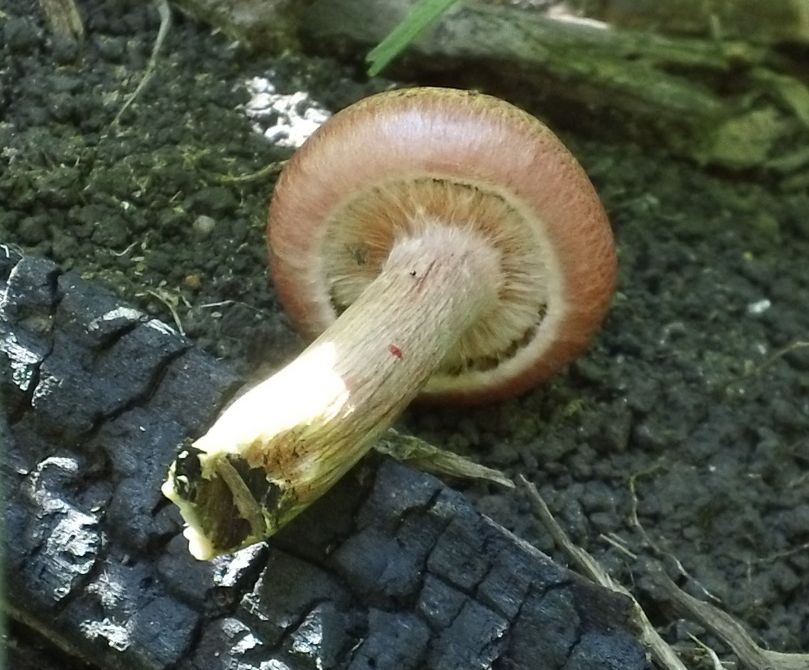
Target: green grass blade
x=422, y=16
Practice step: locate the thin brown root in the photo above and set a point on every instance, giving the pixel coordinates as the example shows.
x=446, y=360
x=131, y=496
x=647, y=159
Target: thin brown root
x=772, y=358
x=619, y=544
x=715, y=662
x=780, y=555
x=660, y=650
x=729, y=630
x=170, y=301
x=165, y=24
x=266, y=171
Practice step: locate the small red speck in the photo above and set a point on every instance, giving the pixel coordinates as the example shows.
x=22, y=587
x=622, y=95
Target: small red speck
x=393, y=349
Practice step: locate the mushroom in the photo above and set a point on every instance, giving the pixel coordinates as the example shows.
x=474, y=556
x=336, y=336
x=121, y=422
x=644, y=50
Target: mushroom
x=435, y=243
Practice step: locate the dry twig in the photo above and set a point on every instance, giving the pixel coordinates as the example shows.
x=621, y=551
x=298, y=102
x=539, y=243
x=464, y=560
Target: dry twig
x=660, y=650
x=165, y=24
x=729, y=630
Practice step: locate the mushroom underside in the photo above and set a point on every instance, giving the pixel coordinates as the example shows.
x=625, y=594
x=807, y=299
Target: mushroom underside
x=519, y=325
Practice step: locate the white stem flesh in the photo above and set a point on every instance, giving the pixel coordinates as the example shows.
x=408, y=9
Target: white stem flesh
x=314, y=419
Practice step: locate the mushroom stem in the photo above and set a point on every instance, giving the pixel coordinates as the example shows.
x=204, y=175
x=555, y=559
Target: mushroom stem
x=286, y=441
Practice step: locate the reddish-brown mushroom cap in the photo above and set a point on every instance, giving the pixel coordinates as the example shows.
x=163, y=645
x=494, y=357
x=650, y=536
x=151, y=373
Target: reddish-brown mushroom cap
x=437, y=154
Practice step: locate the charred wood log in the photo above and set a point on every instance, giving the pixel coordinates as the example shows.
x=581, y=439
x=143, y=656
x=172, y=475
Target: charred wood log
x=392, y=570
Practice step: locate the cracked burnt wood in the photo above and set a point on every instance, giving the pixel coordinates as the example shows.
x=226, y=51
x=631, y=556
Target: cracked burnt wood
x=392, y=570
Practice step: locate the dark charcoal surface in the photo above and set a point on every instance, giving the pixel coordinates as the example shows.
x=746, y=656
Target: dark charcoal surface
x=393, y=570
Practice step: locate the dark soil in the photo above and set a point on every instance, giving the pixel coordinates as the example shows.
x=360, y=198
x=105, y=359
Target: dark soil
x=695, y=395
